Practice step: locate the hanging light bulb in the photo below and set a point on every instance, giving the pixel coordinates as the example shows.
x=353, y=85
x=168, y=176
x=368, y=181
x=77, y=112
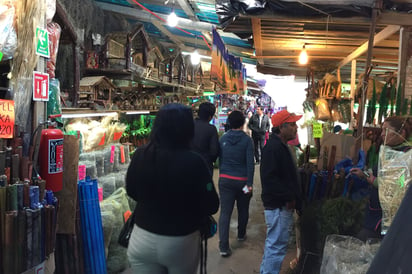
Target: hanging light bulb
x=195, y=57
x=172, y=19
x=303, y=56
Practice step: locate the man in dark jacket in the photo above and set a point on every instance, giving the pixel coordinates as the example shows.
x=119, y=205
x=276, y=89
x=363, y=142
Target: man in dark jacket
x=280, y=190
x=259, y=124
x=206, y=140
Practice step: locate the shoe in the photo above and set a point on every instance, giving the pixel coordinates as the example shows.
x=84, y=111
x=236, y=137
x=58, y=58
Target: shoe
x=242, y=239
x=225, y=253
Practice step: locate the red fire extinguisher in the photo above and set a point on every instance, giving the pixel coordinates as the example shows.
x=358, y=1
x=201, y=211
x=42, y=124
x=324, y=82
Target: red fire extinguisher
x=51, y=155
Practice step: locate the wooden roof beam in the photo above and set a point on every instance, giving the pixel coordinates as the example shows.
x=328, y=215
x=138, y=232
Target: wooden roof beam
x=384, y=18
x=382, y=35
x=257, y=38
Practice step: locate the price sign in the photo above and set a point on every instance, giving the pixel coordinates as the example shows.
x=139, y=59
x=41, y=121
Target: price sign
x=317, y=130
x=40, y=86
x=6, y=118
x=82, y=172
x=112, y=153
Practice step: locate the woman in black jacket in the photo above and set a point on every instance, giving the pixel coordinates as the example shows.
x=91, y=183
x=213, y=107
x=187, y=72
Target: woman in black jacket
x=174, y=192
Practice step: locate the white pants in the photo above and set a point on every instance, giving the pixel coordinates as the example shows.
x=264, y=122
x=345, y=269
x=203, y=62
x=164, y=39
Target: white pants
x=151, y=253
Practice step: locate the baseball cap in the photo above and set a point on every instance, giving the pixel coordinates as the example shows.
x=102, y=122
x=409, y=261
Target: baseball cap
x=284, y=116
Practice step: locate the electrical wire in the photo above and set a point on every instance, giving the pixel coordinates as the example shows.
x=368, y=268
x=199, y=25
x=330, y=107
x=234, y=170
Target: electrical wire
x=163, y=20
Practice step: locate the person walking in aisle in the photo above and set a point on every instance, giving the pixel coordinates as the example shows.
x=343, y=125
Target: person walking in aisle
x=206, y=140
x=280, y=190
x=174, y=192
x=235, y=180
x=246, y=128
x=259, y=124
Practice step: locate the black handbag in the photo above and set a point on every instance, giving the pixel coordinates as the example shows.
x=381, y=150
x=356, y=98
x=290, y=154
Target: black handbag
x=208, y=227
x=126, y=231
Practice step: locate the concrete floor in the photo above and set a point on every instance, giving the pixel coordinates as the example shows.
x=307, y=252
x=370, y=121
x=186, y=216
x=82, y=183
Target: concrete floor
x=247, y=255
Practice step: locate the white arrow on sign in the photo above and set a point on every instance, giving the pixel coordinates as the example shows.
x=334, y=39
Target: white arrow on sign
x=42, y=37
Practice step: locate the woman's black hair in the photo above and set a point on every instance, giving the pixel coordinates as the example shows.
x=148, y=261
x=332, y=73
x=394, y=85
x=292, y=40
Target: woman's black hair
x=173, y=127
x=236, y=119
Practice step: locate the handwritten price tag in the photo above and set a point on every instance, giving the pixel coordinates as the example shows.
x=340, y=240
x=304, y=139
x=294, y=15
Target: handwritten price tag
x=113, y=148
x=6, y=118
x=317, y=130
x=122, y=156
x=82, y=172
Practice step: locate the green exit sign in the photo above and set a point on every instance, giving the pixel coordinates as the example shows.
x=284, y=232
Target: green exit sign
x=42, y=45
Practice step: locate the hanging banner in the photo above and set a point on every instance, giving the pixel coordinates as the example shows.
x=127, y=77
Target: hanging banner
x=227, y=70
x=6, y=118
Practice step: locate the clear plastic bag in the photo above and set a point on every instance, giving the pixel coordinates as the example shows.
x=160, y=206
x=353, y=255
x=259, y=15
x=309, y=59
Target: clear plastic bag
x=108, y=164
x=347, y=255
x=394, y=176
x=117, y=258
x=8, y=37
x=109, y=185
x=100, y=163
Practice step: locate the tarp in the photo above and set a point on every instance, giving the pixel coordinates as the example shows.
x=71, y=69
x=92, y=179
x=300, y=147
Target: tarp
x=227, y=10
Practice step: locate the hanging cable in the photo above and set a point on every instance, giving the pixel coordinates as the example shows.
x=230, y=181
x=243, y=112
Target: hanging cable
x=163, y=20
x=329, y=17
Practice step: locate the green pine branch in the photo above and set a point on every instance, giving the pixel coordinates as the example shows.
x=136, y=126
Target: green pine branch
x=393, y=94
x=383, y=103
x=398, y=100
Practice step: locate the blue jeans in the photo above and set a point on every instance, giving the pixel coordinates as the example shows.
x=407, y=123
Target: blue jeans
x=278, y=227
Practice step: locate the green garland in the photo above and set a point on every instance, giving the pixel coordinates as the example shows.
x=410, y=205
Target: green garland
x=370, y=113
x=405, y=106
x=398, y=100
x=393, y=95
x=383, y=103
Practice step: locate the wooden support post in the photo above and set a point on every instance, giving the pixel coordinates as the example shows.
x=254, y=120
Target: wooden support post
x=76, y=71
x=352, y=91
x=404, y=56
x=367, y=70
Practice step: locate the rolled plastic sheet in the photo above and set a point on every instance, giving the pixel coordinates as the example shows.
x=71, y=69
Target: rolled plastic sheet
x=3, y=180
x=8, y=156
x=42, y=189
x=2, y=224
x=12, y=198
x=20, y=196
x=50, y=229
x=15, y=168
x=29, y=238
x=34, y=197
x=21, y=240
x=26, y=195
x=37, y=236
x=91, y=227
x=10, y=247
x=2, y=161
